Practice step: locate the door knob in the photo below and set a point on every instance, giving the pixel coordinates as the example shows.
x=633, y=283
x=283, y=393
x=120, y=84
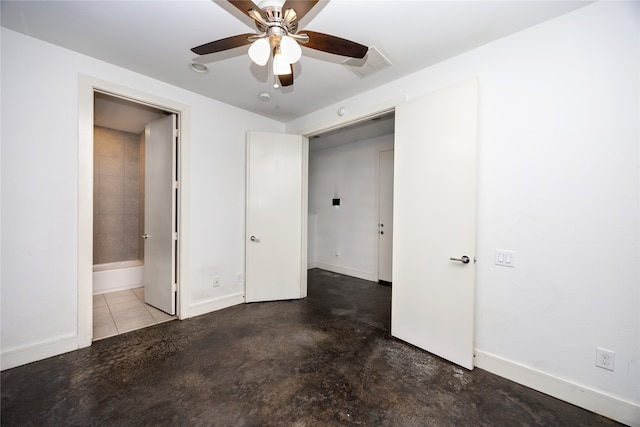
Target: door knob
x=145, y=236
x=464, y=259
x=254, y=239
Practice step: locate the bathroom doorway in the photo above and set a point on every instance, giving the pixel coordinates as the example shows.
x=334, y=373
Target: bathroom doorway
x=134, y=227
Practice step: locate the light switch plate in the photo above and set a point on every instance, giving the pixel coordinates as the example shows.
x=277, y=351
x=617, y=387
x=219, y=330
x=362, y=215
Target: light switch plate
x=505, y=258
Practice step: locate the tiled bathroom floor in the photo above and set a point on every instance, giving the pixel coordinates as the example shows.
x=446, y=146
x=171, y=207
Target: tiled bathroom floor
x=123, y=311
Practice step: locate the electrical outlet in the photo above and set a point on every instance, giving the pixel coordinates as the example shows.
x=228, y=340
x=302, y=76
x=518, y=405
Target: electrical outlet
x=215, y=281
x=605, y=358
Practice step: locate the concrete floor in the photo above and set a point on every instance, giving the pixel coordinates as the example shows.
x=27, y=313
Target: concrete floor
x=325, y=360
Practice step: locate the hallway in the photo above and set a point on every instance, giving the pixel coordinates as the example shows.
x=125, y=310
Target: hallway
x=324, y=360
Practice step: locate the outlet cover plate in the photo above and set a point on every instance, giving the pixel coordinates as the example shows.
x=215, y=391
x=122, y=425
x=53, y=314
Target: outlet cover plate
x=605, y=359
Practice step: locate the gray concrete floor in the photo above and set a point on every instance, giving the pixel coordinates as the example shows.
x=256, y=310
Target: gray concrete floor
x=325, y=360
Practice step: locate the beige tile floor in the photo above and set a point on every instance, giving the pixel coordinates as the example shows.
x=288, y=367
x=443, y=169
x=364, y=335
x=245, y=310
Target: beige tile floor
x=123, y=311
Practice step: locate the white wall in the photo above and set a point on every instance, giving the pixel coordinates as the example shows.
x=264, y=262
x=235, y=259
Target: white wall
x=558, y=184
x=39, y=287
x=348, y=172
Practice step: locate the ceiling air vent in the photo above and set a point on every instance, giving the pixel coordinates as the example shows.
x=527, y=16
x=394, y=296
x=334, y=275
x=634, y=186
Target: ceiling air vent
x=372, y=62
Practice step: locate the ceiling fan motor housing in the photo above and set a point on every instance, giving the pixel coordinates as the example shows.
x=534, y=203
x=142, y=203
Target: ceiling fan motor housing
x=277, y=22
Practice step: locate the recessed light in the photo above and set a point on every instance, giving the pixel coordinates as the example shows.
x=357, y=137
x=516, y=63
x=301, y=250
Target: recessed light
x=265, y=96
x=198, y=67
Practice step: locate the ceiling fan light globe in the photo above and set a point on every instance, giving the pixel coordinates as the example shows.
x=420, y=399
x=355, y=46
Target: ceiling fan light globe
x=268, y=3
x=260, y=51
x=290, y=49
x=280, y=65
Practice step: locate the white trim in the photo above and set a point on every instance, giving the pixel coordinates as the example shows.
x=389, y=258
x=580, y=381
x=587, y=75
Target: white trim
x=33, y=353
x=216, y=304
x=593, y=400
x=347, y=271
x=304, y=245
x=85, y=210
x=353, y=118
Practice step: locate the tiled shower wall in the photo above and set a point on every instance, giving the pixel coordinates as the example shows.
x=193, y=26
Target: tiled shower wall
x=118, y=196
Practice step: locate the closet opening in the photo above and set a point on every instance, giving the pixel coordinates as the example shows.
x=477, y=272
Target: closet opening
x=350, y=225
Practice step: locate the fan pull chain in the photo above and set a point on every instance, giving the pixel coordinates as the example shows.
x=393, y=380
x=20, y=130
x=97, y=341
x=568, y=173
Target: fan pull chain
x=276, y=82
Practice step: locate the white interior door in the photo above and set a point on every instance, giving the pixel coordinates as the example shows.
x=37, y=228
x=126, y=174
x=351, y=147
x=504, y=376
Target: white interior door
x=385, y=215
x=435, y=220
x=159, y=214
x=276, y=222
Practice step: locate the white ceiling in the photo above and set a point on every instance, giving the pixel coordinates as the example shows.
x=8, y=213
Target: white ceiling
x=121, y=114
x=154, y=38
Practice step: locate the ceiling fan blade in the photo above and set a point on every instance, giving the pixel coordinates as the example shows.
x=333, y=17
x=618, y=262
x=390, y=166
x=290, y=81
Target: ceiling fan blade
x=257, y=16
x=290, y=15
x=335, y=45
x=223, y=44
x=245, y=6
x=302, y=7
x=286, y=79
x=300, y=38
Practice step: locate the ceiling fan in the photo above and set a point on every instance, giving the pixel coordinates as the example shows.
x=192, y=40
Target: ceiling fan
x=277, y=38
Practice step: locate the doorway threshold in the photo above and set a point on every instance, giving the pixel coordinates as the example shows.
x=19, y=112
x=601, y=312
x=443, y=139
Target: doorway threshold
x=118, y=312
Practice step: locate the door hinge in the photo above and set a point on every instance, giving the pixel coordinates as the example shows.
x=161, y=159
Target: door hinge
x=175, y=133
x=175, y=235
x=175, y=185
x=174, y=287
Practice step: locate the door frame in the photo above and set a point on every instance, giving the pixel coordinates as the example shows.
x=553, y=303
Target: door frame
x=87, y=86
x=378, y=200
x=349, y=119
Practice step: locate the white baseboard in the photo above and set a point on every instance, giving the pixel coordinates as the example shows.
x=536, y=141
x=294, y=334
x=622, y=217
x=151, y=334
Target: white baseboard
x=32, y=353
x=216, y=304
x=366, y=275
x=595, y=401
